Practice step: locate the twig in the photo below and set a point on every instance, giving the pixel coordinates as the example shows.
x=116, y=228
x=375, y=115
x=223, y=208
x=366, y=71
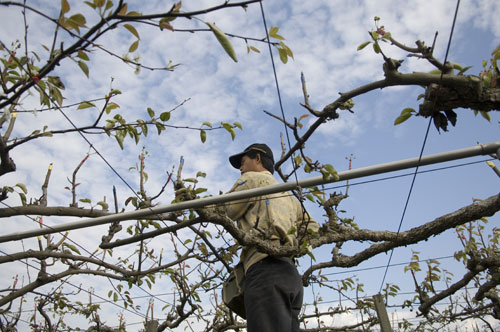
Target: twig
x=43, y=199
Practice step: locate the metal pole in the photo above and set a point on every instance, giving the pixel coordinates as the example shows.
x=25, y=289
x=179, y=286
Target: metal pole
x=481, y=149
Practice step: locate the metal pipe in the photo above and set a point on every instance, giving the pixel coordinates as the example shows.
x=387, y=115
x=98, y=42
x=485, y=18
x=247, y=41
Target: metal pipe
x=481, y=149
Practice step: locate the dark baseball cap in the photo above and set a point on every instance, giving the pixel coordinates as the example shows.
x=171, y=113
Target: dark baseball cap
x=265, y=151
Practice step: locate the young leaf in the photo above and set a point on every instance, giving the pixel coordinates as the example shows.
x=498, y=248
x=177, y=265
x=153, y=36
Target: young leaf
x=486, y=115
x=203, y=136
x=405, y=115
x=111, y=106
x=132, y=30
x=23, y=187
x=256, y=50
x=78, y=19
x=65, y=6
x=133, y=47
x=123, y=10
x=84, y=68
x=165, y=116
x=223, y=40
x=104, y=205
x=273, y=32
x=151, y=112
x=283, y=55
x=402, y=118
x=164, y=24
x=119, y=139
x=85, y=104
x=82, y=55
x=361, y=46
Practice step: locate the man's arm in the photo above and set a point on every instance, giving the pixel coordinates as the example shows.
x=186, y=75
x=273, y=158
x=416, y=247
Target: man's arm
x=237, y=209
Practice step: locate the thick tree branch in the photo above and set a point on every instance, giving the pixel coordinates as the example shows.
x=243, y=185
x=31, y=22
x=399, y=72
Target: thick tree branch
x=51, y=211
x=393, y=78
x=390, y=240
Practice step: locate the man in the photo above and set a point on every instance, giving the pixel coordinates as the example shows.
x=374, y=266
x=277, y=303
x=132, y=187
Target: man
x=273, y=286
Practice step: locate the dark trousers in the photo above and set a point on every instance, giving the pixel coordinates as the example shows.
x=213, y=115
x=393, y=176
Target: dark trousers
x=273, y=296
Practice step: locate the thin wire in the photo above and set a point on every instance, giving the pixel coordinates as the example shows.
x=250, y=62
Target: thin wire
x=423, y=144
x=408, y=174
x=277, y=85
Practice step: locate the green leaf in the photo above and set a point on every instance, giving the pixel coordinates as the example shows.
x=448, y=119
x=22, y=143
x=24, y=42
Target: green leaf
x=273, y=32
x=104, y=205
x=231, y=131
x=252, y=48
x=165, y=23
x=363, y=45
x=208, y=124
x=65, y=6
x=85, y=200
x=229, y=128
x=160, y=127
x=376, y=48
x=223, y=40
x=287, y=49
x=111, y=106
x=165, y=116
x=84, y=68
x=283, y=55
x=237, y=124
x=133, y=47
x=331, y=170
x=486, y=115
x=78, y=19
x=90, y=4
x=22, y=186
x=405, y=115
x=119, y=139
x=85, y=104
x=82, y=55
x=72, y=248
x=132, y=30
x=151, y=112
x=402, y=118
x=22, y=196
x=463, y=70
x=408, y=110
x=200, y=190
x=203, y=136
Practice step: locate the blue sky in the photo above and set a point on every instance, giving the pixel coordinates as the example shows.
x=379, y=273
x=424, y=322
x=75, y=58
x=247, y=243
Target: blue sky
x=323, y=36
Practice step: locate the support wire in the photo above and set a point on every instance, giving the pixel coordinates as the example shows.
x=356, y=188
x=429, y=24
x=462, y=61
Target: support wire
x=423, y=144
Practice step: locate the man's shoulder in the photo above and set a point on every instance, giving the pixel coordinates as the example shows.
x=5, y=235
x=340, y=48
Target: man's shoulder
x=258, y=178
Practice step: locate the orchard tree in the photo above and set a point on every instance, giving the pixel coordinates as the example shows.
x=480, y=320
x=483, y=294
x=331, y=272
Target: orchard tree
x=203, y=243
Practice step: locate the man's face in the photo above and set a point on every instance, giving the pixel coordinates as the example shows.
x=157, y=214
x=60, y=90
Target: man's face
x=250, y=165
